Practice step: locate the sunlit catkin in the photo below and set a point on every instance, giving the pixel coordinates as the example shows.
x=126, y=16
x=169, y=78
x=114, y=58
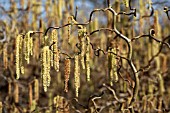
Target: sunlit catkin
x=82, y=44
x=56, y=102
x=45, y=71
x=81, y=37
x=28, y=46
x=88, y=59
x=76, y=75
x=18, y=55
x=66, y=73
x=56, y=56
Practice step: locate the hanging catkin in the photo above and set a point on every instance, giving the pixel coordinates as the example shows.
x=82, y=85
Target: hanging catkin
x=45, y=71
x=82, y=44
x=55, y=52
x=18, y=44
x=66, y=73
x=76, y=75
x=81, y=37
x=28, y=46
x=88, y=59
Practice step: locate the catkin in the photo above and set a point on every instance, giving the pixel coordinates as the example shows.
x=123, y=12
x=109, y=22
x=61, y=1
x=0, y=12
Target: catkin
x=22, y=70
x=88, y=59
x=56, y=101
x=76, y=75
x=28, y=46
x=66, y=73
x=5, y=56
x=18, y=55
x=46, y=67
x=56, y=56
x=82, y=44
x=81, y=34
x=21, y=56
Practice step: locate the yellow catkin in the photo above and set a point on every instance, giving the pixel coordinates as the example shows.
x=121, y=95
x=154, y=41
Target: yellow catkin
x=5, y=56
x=17, y=43
x=76, y=75
x=56, y=102
x=22, y=70
x=16, y=92
x=51, y=58
x=88, y=59
x=66, y=73
x=48, y=67
x=30, y=94
x=45, y=71
x=82, y=44
x=21, y=56
x=28, y=46
x=56, y=56
x=81, y=34
x=36, y=89
x=54, y=40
